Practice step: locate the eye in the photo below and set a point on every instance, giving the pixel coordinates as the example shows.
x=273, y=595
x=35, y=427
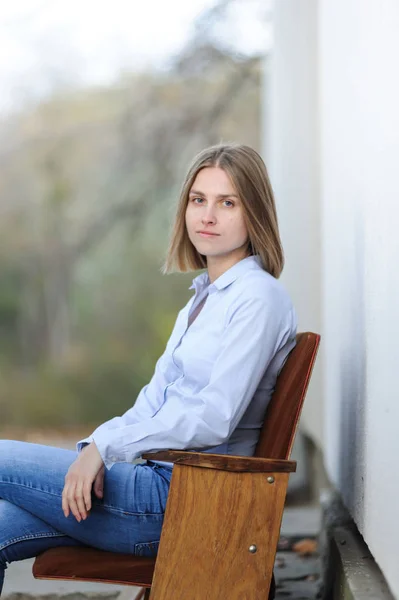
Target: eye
x=200, y=200
x=229, y=203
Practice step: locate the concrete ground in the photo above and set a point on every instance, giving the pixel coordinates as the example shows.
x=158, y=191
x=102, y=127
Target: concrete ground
x=297, y=576
x=297, y=567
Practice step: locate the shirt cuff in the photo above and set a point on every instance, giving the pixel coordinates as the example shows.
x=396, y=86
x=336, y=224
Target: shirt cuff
x=83, y=443
x=109, y=454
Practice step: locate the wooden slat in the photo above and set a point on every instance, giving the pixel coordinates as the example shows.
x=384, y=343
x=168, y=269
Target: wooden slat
x=224, y=462
x=282, y=416
x=90, y=564
x=212, y=518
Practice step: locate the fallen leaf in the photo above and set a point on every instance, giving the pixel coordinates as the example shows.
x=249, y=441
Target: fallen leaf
x=305, y=547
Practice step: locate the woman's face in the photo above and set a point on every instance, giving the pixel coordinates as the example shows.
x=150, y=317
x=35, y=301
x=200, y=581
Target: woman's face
x=214, y=216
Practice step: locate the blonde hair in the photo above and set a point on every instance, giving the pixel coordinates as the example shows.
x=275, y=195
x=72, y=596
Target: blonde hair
x=249, y=176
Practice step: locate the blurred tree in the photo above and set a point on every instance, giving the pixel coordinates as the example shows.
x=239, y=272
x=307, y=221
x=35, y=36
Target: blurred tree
x=87, y=182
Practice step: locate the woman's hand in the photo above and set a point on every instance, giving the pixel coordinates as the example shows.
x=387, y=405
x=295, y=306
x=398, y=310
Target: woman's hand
x=86, y=469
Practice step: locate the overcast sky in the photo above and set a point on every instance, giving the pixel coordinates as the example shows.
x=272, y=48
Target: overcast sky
x=48, y=43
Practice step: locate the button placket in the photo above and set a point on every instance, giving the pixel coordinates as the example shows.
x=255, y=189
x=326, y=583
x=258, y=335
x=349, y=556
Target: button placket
x=196, y=301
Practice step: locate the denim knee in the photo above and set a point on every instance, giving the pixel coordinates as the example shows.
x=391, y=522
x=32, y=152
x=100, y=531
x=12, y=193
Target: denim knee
x=15, y=533
x=20, y=536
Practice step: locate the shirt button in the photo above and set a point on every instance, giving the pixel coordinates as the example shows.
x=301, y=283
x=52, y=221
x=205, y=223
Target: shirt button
x=113, y=459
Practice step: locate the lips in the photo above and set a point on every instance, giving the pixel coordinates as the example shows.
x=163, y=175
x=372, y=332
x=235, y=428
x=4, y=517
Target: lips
x=207, y=234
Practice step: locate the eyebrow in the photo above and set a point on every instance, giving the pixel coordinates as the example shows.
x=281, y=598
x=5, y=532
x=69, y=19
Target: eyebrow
x=198, y=193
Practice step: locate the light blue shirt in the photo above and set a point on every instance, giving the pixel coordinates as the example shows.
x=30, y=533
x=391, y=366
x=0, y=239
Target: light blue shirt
x=211, y=386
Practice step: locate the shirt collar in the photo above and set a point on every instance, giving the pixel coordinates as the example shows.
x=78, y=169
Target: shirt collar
x=244, y=265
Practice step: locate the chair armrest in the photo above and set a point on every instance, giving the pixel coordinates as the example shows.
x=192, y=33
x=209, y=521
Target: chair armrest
x=223, y=462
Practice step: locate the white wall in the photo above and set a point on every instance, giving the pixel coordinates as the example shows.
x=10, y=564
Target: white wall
x=291, y=150
x=356, y=103
x=359, y=92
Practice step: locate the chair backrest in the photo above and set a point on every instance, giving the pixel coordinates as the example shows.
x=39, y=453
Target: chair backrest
x=282, y=415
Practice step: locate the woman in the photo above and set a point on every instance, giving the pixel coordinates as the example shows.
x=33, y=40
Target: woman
x=209, y=391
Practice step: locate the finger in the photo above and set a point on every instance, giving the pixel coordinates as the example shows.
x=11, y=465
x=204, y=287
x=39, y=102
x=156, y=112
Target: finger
x=65, y=505
x=74, y=508
x=70, y=496
x=80, y=500
x=87, y=497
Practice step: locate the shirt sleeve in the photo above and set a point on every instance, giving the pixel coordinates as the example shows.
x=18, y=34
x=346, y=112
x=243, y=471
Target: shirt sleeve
x=256, y=330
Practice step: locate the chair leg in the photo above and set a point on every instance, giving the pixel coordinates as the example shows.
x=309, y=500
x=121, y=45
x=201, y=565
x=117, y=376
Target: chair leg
x=272, y=591
x=147, y=594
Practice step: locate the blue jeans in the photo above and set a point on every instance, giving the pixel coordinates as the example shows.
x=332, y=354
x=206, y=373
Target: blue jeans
x=127, y=519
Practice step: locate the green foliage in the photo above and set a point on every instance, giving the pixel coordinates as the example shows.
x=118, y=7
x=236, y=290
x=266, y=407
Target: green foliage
x=9, y=287
x=91, y=392
x=10, y=291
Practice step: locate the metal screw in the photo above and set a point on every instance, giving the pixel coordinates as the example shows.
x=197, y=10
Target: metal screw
x=252, y=548
x=270, y=479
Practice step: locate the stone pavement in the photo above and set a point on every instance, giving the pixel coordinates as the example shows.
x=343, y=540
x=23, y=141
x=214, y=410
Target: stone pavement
x=297, y=575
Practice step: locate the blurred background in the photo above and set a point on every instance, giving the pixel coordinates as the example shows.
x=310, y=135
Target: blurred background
x=102, y=107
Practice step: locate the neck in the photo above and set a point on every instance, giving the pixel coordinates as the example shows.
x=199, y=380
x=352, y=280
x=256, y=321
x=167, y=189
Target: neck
x=217, y=265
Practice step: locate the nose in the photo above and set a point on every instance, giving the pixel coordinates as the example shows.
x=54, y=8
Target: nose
x=208, y=216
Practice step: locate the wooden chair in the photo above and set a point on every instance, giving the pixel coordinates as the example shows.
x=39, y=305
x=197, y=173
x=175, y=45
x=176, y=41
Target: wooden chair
x=223, y=513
